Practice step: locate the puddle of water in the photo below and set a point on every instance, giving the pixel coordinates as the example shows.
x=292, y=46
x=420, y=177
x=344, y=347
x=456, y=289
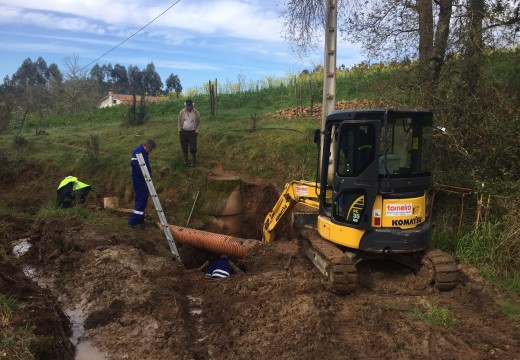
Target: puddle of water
x=31, y=273
x=21, y=246
x=84, y=349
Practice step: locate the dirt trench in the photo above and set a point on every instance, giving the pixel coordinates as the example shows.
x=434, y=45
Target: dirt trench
x=136, y=302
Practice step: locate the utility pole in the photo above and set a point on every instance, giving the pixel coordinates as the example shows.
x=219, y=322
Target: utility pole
x=329, y=68
x=329, y=71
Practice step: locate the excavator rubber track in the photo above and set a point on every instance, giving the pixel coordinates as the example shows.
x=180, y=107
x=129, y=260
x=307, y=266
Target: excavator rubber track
x=443, y=269
x=337, y=266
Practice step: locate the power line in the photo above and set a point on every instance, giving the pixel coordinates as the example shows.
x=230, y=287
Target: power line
x=131, y=36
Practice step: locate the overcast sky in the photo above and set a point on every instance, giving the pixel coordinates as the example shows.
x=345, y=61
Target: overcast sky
x=198, y=40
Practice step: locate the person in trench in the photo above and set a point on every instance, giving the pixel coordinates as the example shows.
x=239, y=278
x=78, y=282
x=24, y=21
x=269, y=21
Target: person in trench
x=71, y=191
x=220, y=268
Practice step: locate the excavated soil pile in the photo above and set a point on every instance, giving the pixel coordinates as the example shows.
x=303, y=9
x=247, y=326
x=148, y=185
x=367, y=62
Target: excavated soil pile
x=138, y=303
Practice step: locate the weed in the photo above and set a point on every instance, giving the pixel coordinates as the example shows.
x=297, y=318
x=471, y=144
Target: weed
x=434, y=314
x=509, y=307
x=137, y=114
x=7, y=304
x=20, y=141
x=93, y=149
x=15, y=343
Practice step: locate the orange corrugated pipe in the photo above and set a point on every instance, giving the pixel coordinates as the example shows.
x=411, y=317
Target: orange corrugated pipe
x=217, y=243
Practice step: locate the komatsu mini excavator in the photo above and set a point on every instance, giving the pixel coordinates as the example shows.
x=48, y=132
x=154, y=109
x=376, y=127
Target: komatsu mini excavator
x=369, y=199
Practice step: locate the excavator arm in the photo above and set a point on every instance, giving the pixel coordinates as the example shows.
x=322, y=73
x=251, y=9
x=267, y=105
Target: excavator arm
x=298, y=191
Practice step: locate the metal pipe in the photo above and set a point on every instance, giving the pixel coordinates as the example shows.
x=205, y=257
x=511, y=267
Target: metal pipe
x=216, y=243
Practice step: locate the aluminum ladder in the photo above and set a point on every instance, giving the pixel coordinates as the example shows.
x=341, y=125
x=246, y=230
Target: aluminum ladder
x=158, y=207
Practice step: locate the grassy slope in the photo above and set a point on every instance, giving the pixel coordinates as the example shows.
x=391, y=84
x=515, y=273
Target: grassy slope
x=278, y=150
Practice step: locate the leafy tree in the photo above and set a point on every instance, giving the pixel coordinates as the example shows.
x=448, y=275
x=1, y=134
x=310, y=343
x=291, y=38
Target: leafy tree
x=135, y=80
x=400, y=29
x=7, y=104
x=30, y=74
x=120, y=81
x=54, y=75
x=152, y=83
x=173, y=84
x=29, y=87
x=107, y=72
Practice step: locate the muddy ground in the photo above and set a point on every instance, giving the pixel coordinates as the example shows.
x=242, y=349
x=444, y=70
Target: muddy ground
x=121, y=295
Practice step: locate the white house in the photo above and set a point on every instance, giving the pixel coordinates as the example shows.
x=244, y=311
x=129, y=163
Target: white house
x=122, y=99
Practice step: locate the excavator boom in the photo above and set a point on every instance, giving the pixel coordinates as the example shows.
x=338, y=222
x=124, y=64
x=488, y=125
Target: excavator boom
x=304, y=192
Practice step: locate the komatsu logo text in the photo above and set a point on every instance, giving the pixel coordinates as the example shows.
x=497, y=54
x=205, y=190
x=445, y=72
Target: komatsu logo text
x=413, y=221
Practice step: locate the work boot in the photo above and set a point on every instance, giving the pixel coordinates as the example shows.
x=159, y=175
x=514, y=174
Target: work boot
x=186, y=161
x=193, y=160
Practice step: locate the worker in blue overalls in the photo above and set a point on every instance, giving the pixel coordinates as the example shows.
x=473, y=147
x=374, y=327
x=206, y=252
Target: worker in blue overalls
x=141, y=189
x=220, y=268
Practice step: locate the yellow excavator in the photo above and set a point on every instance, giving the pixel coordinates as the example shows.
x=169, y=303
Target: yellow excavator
x=369, y=198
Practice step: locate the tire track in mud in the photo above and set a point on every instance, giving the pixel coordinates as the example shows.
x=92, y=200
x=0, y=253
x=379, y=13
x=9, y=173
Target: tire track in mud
x=376, y=324
x=375, y=327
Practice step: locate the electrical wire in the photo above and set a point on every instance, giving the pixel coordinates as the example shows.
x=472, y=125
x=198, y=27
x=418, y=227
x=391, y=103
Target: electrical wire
x=131, y=36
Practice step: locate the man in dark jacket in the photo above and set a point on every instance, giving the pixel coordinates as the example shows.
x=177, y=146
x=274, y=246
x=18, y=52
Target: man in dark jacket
x=140, y=187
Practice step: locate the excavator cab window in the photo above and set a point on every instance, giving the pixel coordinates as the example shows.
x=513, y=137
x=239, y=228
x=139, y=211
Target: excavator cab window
x=355, y=149
x=405, y=147
x=355, y=152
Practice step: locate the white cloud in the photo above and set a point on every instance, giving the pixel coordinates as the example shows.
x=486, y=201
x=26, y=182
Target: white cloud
x=241, y=19
x=199, y=39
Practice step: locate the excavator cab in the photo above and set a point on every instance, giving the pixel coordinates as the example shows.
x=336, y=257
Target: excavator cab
x=379, y=171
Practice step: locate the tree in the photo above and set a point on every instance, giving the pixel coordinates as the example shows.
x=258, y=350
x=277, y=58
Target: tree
x=30, y=74
x=29, y=87
x=7, y=104
x=402, y=29
x=491, y=24
x=120, y=81
x=173, y=84
x=304, y=21
x=80, y=91
x=152, y=83
x=135, y=80
x=97, y=74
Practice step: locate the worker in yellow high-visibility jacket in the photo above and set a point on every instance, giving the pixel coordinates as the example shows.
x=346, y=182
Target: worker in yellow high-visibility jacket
x=70, y=191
